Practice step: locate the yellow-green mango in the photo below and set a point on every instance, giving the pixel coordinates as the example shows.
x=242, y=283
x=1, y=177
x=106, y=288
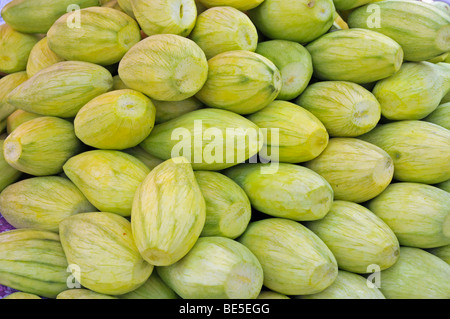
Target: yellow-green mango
x=356, y=237
x=355, y=55
x=37, y=16
x=419, y=150
x=82, y=293
x=211, y=139
x=165, y=16
x=149, y=160
x=15, y=48
x=101, y=245
x=419, y=214
x=108, y=178
x=215, y=268
x=222, y=29
x=242, y=5
x=21, y=295
x=240, y=81
x=442, y=252
x=416, y=275
x=9, y=174
x=420, y=28
x=168, y=110
x=284, y=190
x=7, y=84
x=103, y=35
x=356, y=170
x=41, y=56
x=294, y=63
x=440, y=116
x=33, y=261
x=61, y=89
x=153, y=288
x=347, y=286
x=41, y=146
x=294, y=260
x=346, y=109
x=293, y=20
x=42, y=202
x=228, y=209
x=168, y=212
x=18, y=117
x=285, y=139
x=165, y=67
x=414, y=91
x=115, y=120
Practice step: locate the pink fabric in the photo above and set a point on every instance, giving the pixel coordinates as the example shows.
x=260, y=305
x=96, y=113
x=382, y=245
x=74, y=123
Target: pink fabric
x=4, y=226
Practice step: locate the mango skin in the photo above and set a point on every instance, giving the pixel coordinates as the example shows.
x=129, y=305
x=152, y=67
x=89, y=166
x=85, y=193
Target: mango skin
x=398, y=20
x=33, y=261
x=441, y=252
x=37, y=16
x=181, y=136
x=290, y=191
x=168, y=212
x=61, y=89
x=401, y=207
x=9, y=173
x=416, y=275
x=294, y=260
x=356, y=237
x=41, y=146
x=347, y=285
x=215, y=268
x=356, y=170
x=419, y=150
x=18, y=117
x=101, y=244
x=22, y=295
x=108, y=178
x=81, y=293
x=364, y=56
x=15, y=48
x=7, y=84
x=41, y=56
x=42, y=202
x=153, y=288
x=440, y=116
x=242, y=5
x=103, y=37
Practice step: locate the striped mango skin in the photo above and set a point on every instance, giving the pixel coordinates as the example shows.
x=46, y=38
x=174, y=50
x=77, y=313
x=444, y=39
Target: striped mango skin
x=101, y=245
x=419, y=150
x=168, y=212
x=33, y=261
x=61, y=89
x=420, y=28
x=7, y=84
x=41, y=56
x=240, y=81
x=355, y=55
x=9, y=173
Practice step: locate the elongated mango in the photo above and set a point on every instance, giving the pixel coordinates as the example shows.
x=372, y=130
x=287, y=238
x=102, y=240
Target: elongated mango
x=168, y=110
x=401, y=206
x=211, y=139
x=228, y=209
x=414, y=91
x=15, y=48
x=41, y=146
x=42, y=202
x=285, y=190
x=222, y=29
x=81, y=293
x=7, y=84
x=101, y=245
x=165, y=67
x=107, y=178
x=41, y=56
x=346, y=109
x=356, y=170
x=441, y=252
x=103, y=35
x=215, y=268
x=416, y=275
x=115, y=120
x=440, y=116
x=9, y=173
x=37, y=16
x=242, y=5
x=168, y=213
x=294, y=63
x=61, y=89
x=399, y=20
x=284, y=139
x=355, y=55
x=294, y=260
x=33, y=261
x=356, y=237
x=153, y=288
x=418, y=149
x=240, y=81
x=18, y=117
x=347, y=286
